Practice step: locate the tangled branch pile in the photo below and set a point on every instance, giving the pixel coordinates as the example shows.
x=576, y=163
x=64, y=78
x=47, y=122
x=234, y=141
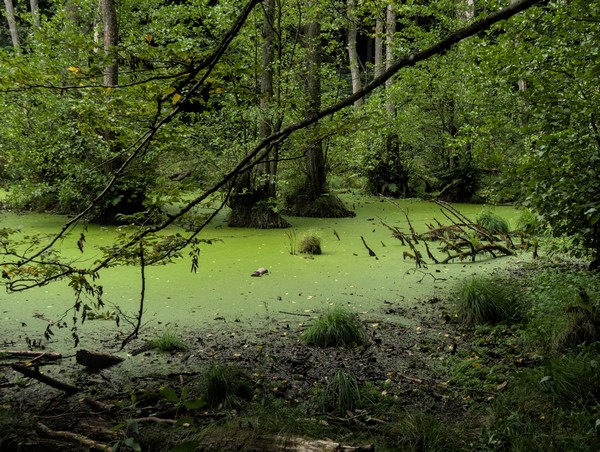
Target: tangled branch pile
x=461, y=239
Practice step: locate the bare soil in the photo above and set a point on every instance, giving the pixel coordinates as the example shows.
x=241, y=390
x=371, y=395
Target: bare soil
x=403, y=363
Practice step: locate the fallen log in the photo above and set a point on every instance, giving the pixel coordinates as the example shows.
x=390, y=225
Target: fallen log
x=73, y=437
x=30, y=354
x=250, y=441
x=34, y=373
x=478, y=250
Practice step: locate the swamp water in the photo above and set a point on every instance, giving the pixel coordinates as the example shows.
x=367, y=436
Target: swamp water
x=222, y=291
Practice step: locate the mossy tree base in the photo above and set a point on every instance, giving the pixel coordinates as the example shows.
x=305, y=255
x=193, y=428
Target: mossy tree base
x=248, y=212
x=325, y=206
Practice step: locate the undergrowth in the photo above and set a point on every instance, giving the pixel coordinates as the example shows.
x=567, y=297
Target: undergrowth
x=533, y=381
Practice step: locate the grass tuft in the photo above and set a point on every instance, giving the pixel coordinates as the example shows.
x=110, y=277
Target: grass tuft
x=226, y=386
x=310, y=244
x=336, y=328
x=421, y=432
x=482, y=299
x=167, y=342
x=341, y=395
x=492, y=222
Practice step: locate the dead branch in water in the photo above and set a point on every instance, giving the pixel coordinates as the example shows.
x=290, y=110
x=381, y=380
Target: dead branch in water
x=37, y=375
x=462, y=239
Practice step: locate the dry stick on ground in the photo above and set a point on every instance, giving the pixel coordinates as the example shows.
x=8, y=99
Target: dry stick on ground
x=34, y=373
x=294, y=313
x=70, y=436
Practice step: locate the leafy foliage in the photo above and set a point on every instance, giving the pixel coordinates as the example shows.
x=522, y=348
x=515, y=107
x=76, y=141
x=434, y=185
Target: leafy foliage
x=564, y=309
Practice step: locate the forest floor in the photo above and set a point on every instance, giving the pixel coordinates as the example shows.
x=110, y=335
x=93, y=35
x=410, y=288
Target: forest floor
x=153, y=400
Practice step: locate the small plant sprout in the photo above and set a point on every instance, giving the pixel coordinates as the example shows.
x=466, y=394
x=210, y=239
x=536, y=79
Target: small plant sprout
x=341, y=394
x=292, y=240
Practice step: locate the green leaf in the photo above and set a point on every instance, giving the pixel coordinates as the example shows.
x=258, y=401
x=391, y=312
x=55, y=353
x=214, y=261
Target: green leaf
x=194, y=404
x=170, y=395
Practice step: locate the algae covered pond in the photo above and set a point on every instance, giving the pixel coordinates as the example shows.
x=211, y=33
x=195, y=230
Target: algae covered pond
x=222, y=290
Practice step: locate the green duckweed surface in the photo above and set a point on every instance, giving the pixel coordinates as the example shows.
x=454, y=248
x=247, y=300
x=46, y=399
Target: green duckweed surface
x=222, y=289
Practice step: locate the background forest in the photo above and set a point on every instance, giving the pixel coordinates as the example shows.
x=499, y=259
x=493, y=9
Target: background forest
x=93, y=89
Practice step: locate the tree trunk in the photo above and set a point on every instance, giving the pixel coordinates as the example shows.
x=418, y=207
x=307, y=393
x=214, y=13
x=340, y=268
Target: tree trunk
x=390, y=30
x=266, y=91
x=352, y=53
x=127, y=196
x=110, y=39
x=378, y=69
x=12, y=25
x=35, y=13
x=315, y=157
x=521, y=83
x=314, y=200
x=249, y=203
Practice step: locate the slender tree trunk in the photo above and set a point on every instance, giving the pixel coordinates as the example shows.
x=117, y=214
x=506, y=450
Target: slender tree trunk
x=390, y=30
x=111, y=71
x=266, y=89
x=378, y=69
x=470, y=10
x=352, y=53
x=315, y=157
x=12, y=25
x=35, y=13
x=110, y=39
x=521, y=83
x=391, y=155
x=311, y=202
